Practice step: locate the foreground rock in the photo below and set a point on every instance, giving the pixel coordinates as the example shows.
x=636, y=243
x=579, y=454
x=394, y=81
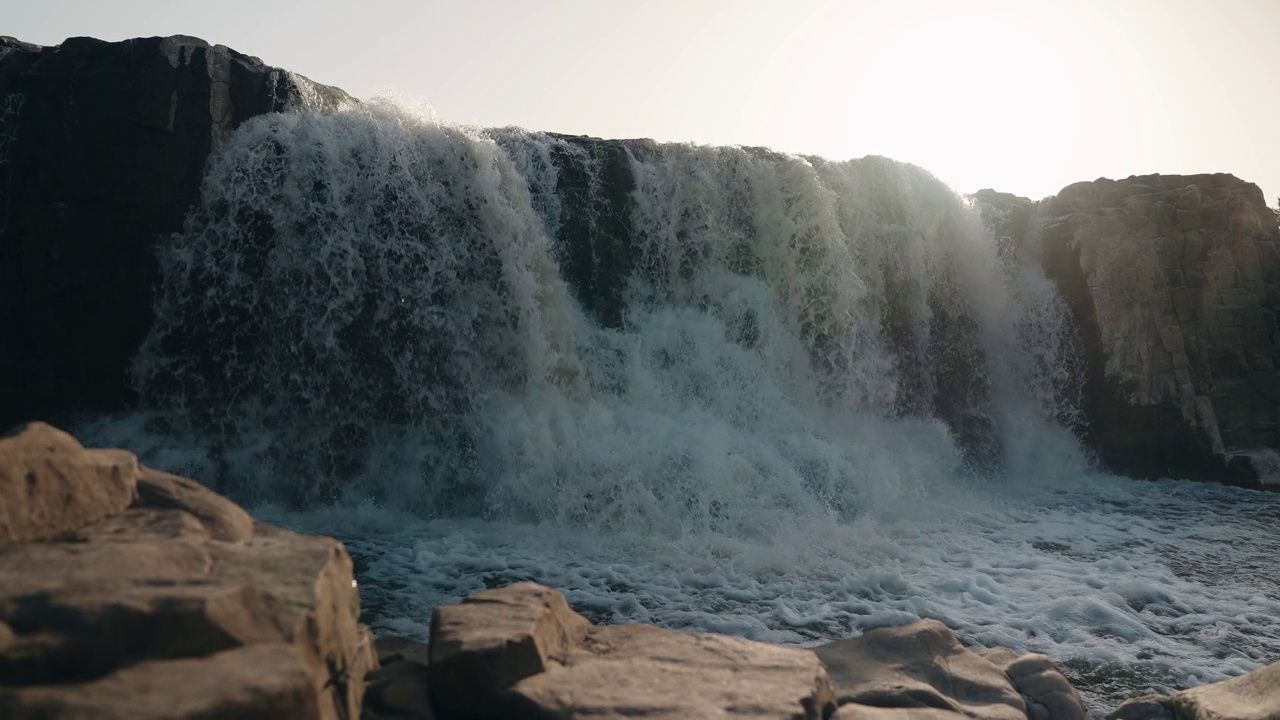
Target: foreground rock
x=153, y=597
x=399, y=687
x=1174, y=286
x=520, y=652
x=102, y=150
x=1255, y=696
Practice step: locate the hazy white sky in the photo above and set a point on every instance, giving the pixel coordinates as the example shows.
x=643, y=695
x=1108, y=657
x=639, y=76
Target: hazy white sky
x=1022, y=95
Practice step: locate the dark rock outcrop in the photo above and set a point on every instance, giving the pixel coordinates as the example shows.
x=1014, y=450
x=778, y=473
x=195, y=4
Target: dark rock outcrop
x=102, y=150
x=1174, y=285
x=176, y=606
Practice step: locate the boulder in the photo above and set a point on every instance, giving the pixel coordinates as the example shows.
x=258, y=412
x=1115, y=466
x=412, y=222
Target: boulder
x=174, y=605
x=520, y=652
x=922, y=671
x=102, y=151
x=1254, y=696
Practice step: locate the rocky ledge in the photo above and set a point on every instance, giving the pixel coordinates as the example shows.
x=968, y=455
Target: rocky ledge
x=130, y=593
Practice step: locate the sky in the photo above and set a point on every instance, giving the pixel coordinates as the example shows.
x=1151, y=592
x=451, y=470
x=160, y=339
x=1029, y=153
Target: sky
x=1026, y=96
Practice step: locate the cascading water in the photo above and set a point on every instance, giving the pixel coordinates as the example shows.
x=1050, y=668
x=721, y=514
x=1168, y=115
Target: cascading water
x=715, y=388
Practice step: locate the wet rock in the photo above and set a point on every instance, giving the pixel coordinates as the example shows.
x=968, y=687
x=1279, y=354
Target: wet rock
x=102, y=150
x=544, y=661
x=178, y=605
x=1254, y=696
x=1150, y=707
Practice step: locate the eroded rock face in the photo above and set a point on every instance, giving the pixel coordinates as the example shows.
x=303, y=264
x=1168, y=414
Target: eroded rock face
x=160, y=599
x=520, y=652
x=922, y=671
x=1255, y=696
x=102, y=149
x=1174, y=285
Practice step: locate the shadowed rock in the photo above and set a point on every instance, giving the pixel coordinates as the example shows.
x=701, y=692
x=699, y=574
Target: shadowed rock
x=399, y=688
x=102, y=150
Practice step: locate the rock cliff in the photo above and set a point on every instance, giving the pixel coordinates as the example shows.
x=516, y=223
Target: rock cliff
x=102, y=149
x=1174, y=284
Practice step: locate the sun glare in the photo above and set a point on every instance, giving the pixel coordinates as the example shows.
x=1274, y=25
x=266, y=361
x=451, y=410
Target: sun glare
x=968, y=95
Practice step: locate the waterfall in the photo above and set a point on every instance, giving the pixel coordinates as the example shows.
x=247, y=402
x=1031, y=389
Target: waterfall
x=373, y=304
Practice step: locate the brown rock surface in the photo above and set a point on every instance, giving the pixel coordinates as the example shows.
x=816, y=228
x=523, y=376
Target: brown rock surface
x=549, y=662
x=1255, y=696
x=178, y=605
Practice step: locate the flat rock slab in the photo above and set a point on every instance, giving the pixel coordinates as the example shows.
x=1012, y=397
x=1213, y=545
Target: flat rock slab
x=552, y=663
